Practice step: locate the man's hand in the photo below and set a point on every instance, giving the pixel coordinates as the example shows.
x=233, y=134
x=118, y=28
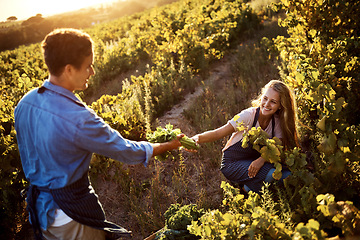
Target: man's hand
x=159, y=148
x=176, y=141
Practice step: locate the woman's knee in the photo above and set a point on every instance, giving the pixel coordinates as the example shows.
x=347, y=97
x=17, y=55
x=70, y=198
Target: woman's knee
x=269, y=178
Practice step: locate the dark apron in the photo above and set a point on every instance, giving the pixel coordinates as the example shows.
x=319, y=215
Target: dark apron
x=236, y=161
x=79, y=202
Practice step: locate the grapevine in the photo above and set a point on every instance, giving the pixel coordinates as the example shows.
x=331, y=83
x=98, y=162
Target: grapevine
x=270, y=149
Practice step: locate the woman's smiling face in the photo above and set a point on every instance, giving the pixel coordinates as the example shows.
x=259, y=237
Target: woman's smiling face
x=270, y=102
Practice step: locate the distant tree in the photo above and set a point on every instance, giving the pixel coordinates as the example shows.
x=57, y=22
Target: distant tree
x=12, y=18
x=32, y=20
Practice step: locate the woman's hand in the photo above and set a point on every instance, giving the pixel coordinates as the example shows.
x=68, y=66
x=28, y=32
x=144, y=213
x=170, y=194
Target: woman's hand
x=213, y=135
x=196, y=138
x=255, y=167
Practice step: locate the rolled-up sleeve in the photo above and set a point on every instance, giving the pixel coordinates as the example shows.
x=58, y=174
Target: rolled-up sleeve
x=94, y=135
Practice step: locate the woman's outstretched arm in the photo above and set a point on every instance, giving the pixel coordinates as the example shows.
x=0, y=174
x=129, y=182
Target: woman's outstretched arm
x=213, y=135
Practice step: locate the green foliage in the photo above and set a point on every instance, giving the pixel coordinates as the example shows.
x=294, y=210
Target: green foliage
x=270, y=149
x=18, y=75
x=124, y=112
x=177, y=218
x=257, y=217
x=35, y=28
x=167, y=134
x=191, y=33
x=161, y=135
x=320, y=62
x=343, y=214
x=321, y=65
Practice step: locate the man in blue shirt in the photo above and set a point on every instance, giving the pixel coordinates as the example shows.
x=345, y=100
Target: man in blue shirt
x=57, y=135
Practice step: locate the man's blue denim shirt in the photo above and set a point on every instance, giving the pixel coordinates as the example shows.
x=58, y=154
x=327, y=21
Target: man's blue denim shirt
x=57, y=135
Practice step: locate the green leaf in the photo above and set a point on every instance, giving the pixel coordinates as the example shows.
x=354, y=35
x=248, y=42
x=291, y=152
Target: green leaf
x=315, y=74
x=207, y=230
x=312, y=33
x=299, y=77
x=290, y=160
x=328, y=144
x=322, y=124
x=313, y=224
x=340, y=103
x=227, y=219
x=277, y=173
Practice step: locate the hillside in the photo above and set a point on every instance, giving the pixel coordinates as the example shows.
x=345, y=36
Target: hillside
x=33, y=30
x=195, y=64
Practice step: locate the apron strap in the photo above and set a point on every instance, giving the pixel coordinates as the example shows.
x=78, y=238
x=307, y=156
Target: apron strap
x=256, y=116
x=273, y=127
x=32, y=194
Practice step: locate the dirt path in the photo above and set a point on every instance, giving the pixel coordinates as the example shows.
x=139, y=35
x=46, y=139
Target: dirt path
x=220, y=71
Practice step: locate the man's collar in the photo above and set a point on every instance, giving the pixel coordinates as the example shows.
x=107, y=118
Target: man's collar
x=60, y=90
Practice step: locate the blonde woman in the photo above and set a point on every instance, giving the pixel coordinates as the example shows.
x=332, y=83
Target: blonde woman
x=275, y=112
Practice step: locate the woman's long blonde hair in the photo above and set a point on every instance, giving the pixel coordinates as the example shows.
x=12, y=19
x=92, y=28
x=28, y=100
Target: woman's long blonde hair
x=287, y=112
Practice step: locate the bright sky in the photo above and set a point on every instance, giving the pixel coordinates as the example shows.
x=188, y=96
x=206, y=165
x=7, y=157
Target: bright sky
x=23, y=9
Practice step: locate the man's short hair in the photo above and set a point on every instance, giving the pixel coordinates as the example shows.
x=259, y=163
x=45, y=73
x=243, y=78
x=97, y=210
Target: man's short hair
x=66, y=46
